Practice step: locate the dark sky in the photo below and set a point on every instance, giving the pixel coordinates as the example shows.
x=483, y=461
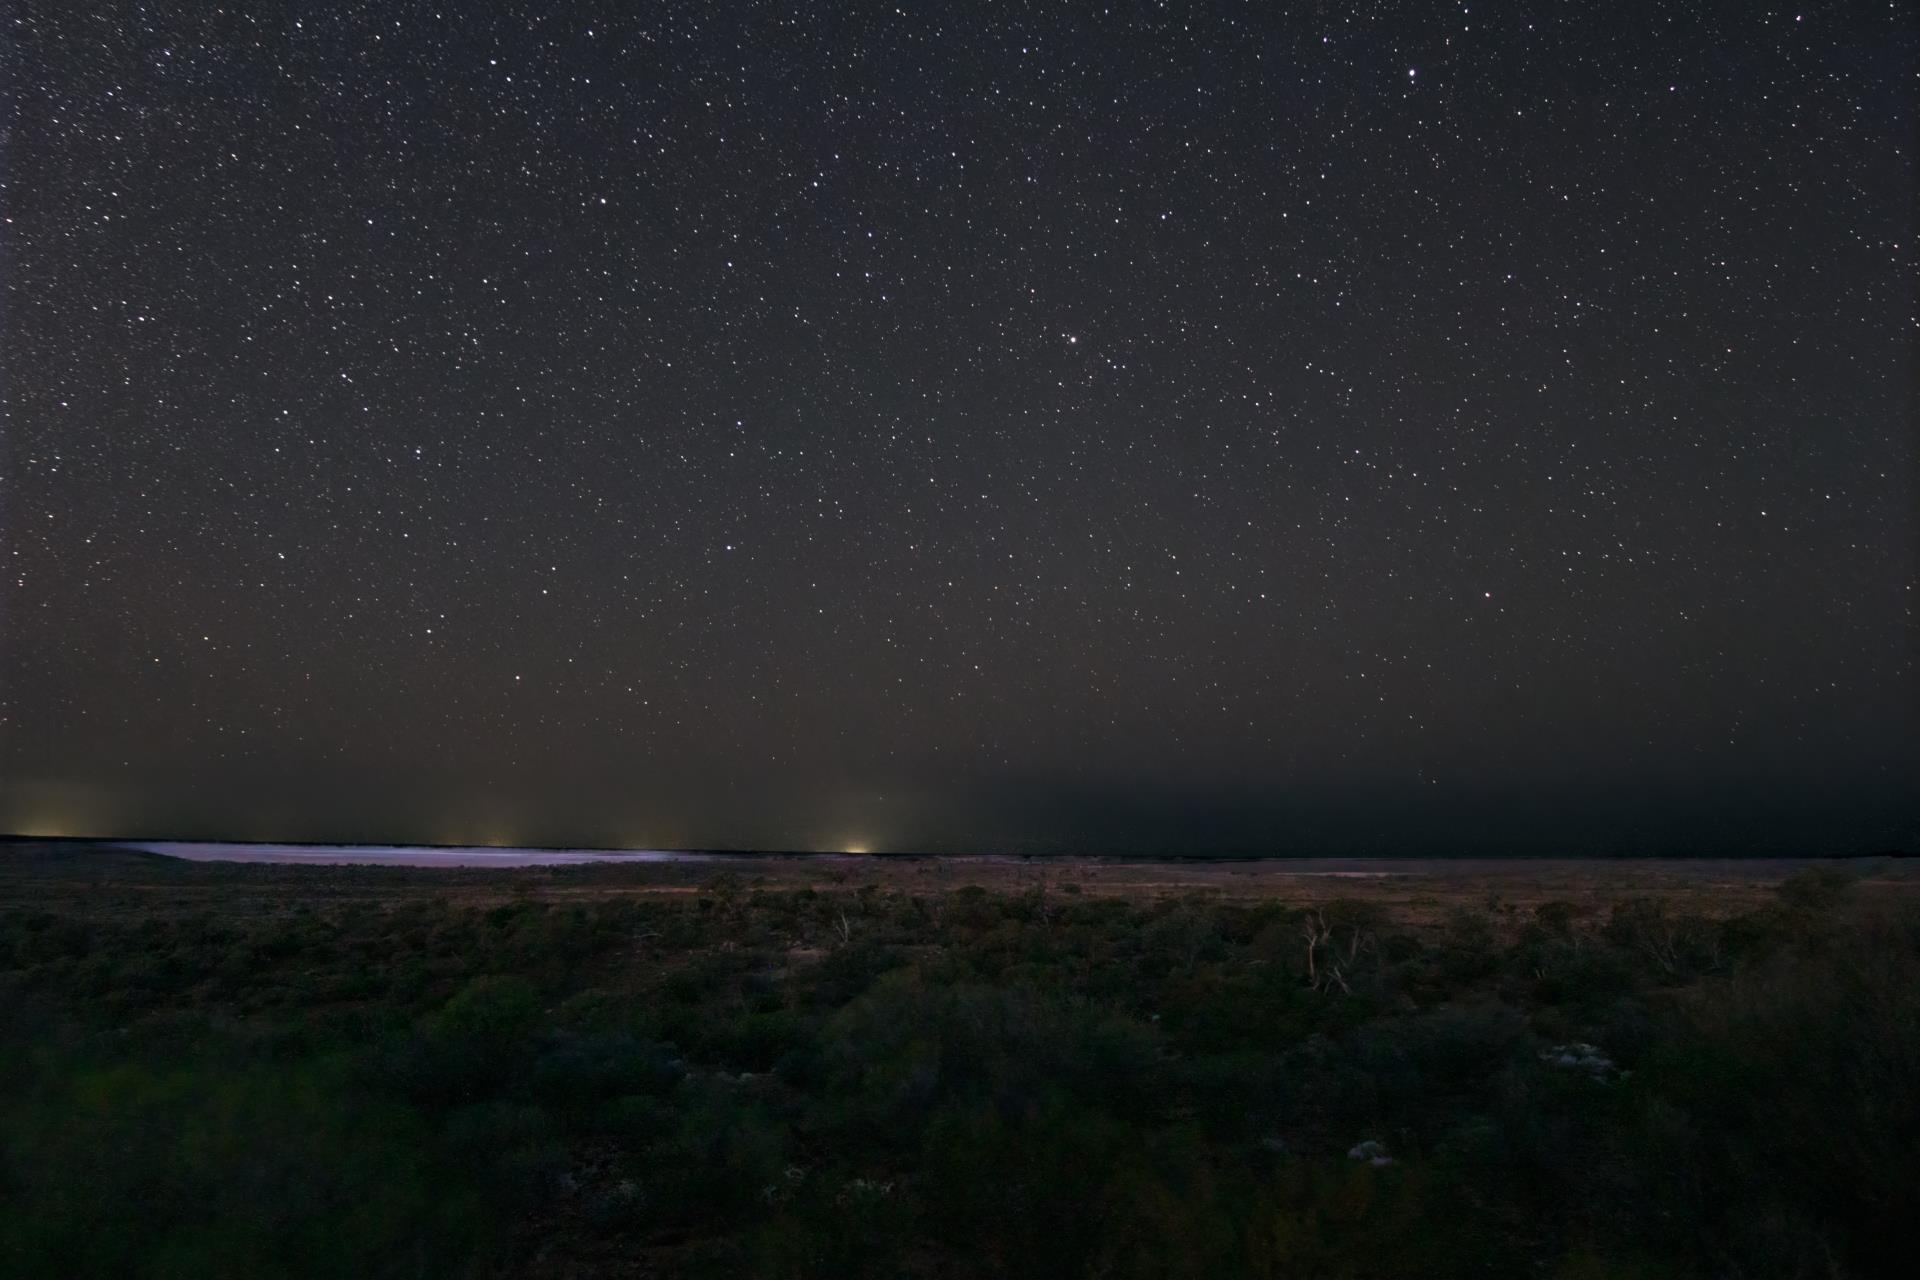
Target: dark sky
x=1038, y=426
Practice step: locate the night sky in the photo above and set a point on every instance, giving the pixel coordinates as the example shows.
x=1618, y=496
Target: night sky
x=1411, y=428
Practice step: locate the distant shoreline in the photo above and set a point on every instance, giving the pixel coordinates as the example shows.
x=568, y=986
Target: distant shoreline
x=506, y=857
x=483, y=856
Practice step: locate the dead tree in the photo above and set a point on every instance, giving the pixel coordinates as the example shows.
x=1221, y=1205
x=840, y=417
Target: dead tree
x=1318, y=933
x=1329, y=971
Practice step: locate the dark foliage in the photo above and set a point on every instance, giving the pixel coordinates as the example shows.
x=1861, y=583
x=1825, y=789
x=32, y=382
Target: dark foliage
x=864, y=1083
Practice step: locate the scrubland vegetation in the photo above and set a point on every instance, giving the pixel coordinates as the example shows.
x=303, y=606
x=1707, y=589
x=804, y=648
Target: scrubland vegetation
x=879, y=1083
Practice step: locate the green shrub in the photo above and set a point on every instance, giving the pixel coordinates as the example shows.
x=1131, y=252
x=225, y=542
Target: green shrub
x=204, y=1169
x=966, y=1084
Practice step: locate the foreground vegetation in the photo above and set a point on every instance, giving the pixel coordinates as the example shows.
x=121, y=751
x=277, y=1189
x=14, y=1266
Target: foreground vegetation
x=879, y=1083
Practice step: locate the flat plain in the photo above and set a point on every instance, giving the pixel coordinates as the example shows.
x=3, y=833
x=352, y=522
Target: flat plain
x=1414, y=891
x=884, y=1066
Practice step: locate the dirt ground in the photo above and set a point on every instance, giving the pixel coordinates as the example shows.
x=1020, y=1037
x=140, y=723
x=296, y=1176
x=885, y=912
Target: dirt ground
x=1413, y=891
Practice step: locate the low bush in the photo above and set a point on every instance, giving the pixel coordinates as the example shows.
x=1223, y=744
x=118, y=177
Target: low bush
x=863, y=1083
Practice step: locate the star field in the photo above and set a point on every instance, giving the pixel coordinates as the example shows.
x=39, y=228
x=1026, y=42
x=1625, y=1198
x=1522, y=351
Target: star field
x=1025, y=426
